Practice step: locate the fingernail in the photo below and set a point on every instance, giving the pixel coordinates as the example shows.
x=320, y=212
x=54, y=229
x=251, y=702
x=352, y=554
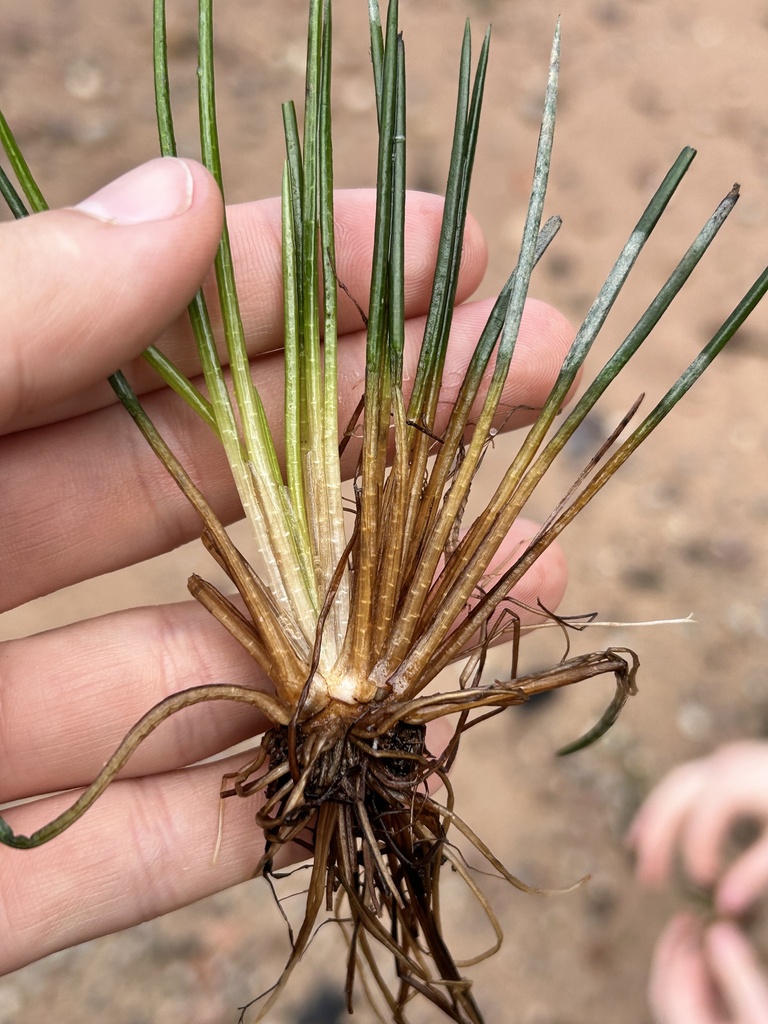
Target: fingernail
x=157, y=190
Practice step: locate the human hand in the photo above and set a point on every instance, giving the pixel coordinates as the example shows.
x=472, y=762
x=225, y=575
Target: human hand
x=692, y=810
x=706, y=975
x=82, y=295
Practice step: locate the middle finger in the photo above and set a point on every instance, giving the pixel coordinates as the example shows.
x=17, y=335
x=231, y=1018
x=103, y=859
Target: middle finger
x=87, y=496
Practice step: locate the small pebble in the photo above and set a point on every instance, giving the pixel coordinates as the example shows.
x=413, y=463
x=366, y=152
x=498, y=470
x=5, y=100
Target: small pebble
x=694, y=721
x=84, y=79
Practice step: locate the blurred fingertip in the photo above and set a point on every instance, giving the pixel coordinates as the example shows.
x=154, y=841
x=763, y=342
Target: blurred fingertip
x=547, y=578
x=684, y=929
x=724, y=939
x=731, y=901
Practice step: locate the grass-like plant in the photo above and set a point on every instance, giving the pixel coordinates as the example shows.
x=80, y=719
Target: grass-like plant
x=352, y=624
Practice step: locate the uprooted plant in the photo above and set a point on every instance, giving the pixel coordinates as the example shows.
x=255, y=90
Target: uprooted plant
x=352, y=626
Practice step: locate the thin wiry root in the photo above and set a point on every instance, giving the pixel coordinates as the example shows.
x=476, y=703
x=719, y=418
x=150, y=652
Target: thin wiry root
x=353, y=784
x=381, y=839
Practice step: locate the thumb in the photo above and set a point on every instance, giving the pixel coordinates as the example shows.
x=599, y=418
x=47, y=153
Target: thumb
x=83, y=290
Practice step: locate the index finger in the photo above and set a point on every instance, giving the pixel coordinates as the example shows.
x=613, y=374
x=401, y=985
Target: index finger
x=657, y=827
x=256, y=245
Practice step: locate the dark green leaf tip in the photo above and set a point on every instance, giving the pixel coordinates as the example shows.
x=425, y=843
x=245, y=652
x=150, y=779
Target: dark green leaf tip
x=9, y=838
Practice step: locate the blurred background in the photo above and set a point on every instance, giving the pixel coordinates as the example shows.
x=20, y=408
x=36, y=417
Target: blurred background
x=681, y=530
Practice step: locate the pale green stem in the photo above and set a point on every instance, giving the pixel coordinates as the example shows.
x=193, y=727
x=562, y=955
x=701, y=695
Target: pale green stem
x=426, y=648
x=359, y=639
x=453, y=503
x=268, y=513
x=334, y=514
x=518, y=482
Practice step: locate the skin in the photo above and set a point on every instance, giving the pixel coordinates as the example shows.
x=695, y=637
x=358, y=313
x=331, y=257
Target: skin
x=707, y=975
x=83, y=495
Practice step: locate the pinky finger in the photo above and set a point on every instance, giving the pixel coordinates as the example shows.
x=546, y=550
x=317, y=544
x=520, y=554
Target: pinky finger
x=740, y=976
x=655, y=832
x=680, y=990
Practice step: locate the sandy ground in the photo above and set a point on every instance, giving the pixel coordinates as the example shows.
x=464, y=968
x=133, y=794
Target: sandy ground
x=680, y=531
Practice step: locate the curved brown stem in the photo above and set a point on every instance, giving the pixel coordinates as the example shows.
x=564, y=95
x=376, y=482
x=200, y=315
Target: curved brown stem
x=268, y=705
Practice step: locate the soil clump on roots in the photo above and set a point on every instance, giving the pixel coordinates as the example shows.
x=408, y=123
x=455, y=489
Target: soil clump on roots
x=362, y=803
